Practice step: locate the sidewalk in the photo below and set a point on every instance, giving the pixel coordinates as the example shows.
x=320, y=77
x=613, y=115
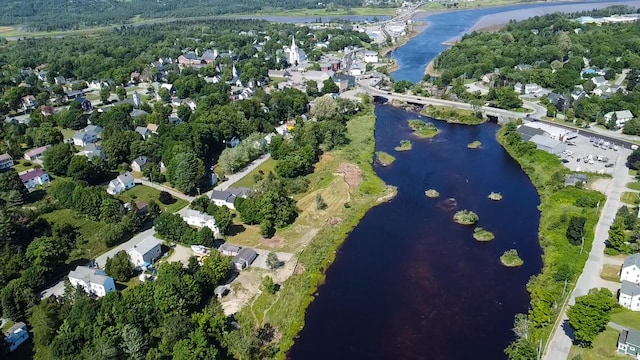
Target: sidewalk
x=233, y=178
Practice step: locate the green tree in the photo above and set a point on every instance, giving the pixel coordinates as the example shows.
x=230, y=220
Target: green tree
x=268, y=285
x=590, y=314
x=184, y=171
x=56, y=160
x=133, y=343
x=324, y=108
x=617, y=235
x=329, y=87
x=104, y=94
x=575, y=230
x=121, y=93
x=16, y=298
x=120, y=267
x=312, y=88
x=80, y=168
x=222, y=215
x=504, y=98
x=272, y=261
x=10, y=181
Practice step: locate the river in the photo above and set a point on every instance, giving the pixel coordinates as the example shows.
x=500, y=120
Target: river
x=408, y=282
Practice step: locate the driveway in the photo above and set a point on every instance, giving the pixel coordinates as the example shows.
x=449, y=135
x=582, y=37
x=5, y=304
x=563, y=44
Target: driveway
x=560, y=342
x=233, y=178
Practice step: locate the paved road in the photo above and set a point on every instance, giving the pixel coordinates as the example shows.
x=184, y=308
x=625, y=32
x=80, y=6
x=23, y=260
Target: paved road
x=560, y=342
x=233, y=178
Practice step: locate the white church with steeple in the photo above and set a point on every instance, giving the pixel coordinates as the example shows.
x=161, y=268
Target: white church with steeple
x=296, y=56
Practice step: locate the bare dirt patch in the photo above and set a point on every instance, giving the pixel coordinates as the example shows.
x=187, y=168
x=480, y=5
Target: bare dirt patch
x=6, y=29
x=274, y=243
x=352, y=174
x=335, y=221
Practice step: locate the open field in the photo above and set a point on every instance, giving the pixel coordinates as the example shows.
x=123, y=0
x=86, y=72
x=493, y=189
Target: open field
x=603, y=347
x=249, y=180
x=20, y=165
x=634, y=185
x=146, y=194
x=630, y=198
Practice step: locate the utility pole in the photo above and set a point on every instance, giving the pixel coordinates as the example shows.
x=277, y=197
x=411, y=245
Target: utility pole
x=582, y=246
x=564, y=288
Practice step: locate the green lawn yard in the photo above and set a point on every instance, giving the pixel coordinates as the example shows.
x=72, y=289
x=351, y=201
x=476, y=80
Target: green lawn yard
x=146, y=194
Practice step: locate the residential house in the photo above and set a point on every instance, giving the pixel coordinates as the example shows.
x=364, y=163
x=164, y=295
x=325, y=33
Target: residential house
x=94, y=281
x=60, y=80
x=578, y=94
x=91, y=151
x=6, y=161
x=245, y=257
x=228, y=197
x=121, y=183
x=36, y=154
x=630, y=270
x=145, y=252
x=488, y=77
x=549, y=145
x=16, y=335
x=574, y=179
x=153, y=128
x=28, y=103
x=371, y=57
x=621, y=117
x=143, y=131
x=629, y=296
x=139, y=163
x=83, y=138
x=356, y=70
x=46, y=110
x=598, y=80
x=344, y=82
x=200, y=220
x=33, y=178
x=85, y=104
x=141, y=206
x=629, y=342
x=559, y=101
x=135, y=113
x=527, y=89
x=523, y=67
x=229, y=249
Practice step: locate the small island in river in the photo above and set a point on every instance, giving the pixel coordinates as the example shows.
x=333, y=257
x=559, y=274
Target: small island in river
x=481, y=234
x=405, y=145
x=384, y=158
x=474, y=145
x=466, y=217
x=423, y=129
x=510, y=258
x=495, y=196
x=432, y=193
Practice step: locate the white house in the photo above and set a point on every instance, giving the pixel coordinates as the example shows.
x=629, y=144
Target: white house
x=139, y=163
x=371, y=57
x=356, y=70
x=143, y=131
x=631, y=269
x=33, y=178
x=529, y=89
x=81, y=138
x=36, y=154
x=16, y=335
x=121, y=183
x=227, y=198
x=198, y=219
x=6, y=161
x=145, y=252
x=629, y=296
x=621, y=117
x=93, y=281
x=598, y=80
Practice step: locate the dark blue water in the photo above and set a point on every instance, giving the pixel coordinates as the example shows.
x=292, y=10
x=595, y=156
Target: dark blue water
x=414, y=56
x=409, y=283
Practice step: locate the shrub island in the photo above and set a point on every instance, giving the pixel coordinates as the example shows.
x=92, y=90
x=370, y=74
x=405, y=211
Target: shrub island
x=495, y=196
x=432, y=193
x=481, y=234
x=384, y=158
x=423, y=129
x=474, y=145
x=466, y=217
x=405, y=145
x=510, y=258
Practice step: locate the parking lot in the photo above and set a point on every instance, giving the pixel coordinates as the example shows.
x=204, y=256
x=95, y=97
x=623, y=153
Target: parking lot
x=592, y=154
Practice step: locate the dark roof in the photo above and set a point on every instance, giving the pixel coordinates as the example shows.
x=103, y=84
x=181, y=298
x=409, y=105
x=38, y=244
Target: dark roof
x=576, y=177
x=526, y=132
x=246, y=255
x=32, y=175
x=630, y=336
x=229, y=247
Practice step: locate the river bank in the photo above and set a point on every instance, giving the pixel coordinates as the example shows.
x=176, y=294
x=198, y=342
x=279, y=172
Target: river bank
x=345, y=179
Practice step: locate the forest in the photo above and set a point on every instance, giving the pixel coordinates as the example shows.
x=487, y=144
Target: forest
x=48, y=15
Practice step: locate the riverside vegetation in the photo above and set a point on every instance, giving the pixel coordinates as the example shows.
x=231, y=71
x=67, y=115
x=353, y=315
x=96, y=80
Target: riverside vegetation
x=454, y=116
x=562, y=259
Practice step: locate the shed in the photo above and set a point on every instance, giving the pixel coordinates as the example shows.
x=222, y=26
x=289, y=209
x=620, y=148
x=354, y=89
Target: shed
x=573, y=179
x=229, y=249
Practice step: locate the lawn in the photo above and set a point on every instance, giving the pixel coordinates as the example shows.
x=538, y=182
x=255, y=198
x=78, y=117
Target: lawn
x=629, y=197
x=67, y=133
x=146, y=194
x=634, y=185
x=89, y=243
x=610, y=272
x=21, y=165
x=249, y=180
x=603, y=347
x=626, y=318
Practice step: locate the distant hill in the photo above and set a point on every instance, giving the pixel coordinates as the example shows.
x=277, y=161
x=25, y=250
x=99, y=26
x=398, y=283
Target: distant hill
x=44, y=15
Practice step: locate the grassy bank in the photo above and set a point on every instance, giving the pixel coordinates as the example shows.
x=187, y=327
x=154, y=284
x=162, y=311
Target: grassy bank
x=454, y=116
x=557, y=206
x=605, y=344
x=285, y=310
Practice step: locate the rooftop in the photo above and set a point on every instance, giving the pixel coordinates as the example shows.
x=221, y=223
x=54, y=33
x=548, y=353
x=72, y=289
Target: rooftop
x=146, y=245
x=32, y=175
x=632, y=260
x=630, y=336
x=89, y=275
x=629, y=288
x=5, y=157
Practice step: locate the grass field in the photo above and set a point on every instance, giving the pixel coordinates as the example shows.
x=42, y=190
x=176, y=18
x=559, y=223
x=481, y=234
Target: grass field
x=249, y=179
x=610, y=272
x=634, y=185
x=67, y=133
x=603, y=347
x=630, y=198
x=21, y=165
x=145, y=193
x=89, y=242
